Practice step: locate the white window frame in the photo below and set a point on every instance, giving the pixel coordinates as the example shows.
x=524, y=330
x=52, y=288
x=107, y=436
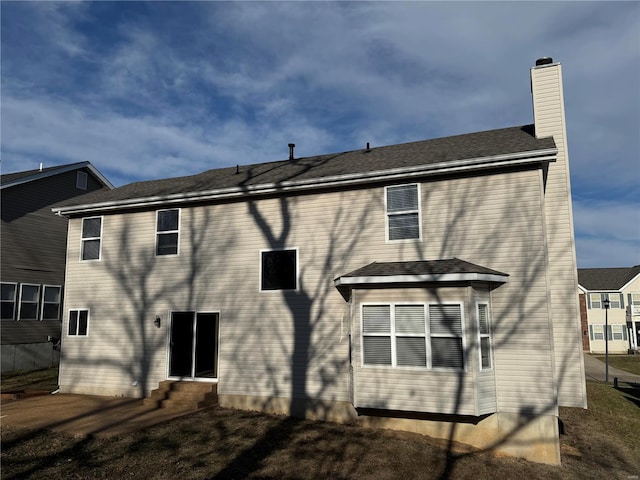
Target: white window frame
x=168, y=232
x=598, y=298
x=37, y=302
x=618, y=302
x=428, y=335
x=388, y=214
x=15, y=299
x=622, y=329
x=43, y=302
x=484, y=335
x=78, y=310
x=263, y=251
x=83, y=239
x=82, y=180
x=596, y=329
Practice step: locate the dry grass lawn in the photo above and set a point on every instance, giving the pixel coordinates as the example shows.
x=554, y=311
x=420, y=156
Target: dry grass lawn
x=218, y=443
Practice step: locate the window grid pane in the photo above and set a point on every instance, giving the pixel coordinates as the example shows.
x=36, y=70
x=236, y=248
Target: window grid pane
x=411, y=352
x=167, y=220
x=404, y=226
x=376, y=350
x=445, y=320
x=446, y=352
x=376, y=319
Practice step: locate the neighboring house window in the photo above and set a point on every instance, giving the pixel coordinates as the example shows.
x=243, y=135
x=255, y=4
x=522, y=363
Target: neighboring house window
x=597, y=332
x=279, y=270
x=615, y=332
x=614, y=298
x=403, y=212
x=167, y=231
x=618, y=332
x=29, y=302
x=91, y=238
x=51, y=296
x=78, y=323
x=596, y=300
x=81, y=180
x=484, y=336
x=401, y=336
x=8, y=299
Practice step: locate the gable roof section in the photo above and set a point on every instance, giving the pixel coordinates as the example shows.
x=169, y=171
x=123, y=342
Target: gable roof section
x=12, y=179
x=472, y=151
x=606, y=279
x=448, y=270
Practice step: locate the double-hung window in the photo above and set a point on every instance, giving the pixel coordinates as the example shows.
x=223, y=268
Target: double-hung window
x=416, y=335
x=78, y=323
x=29, y=302
x=8, y=300
x=167, y=231
x=595, y=300
x=403, y=212
x=484, y=336
x=91, y=238
x=614, y=298
x=51, y=302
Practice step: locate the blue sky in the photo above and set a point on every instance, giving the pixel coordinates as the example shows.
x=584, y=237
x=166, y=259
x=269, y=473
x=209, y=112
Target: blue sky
x=160, y=89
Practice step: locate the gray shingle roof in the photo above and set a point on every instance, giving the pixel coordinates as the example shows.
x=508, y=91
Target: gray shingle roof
x=491, y=143
x=596, y=279
x=421, y=267
x=8, y=180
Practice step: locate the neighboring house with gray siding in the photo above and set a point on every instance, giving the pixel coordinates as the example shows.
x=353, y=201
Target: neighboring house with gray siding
x=620, y=287
x=33, y=246
x=428, y=286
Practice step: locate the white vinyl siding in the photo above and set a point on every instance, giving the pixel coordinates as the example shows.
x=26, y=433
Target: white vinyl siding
x=340, y=232
x=29, y=302
x=168, y=232
x=91, y=238
x=403, y=212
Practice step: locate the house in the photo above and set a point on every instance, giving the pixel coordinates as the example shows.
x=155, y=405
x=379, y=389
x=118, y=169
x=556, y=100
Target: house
x=33, y=248
x=428, y=286
x=620, y=287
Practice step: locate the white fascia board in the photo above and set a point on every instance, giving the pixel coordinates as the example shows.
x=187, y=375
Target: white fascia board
x=624, y=287
x=580, y=287
x=522, y=158
x=447, y=277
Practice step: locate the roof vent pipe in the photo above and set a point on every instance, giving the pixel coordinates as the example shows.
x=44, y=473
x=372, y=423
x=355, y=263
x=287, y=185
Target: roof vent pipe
x=291, y=147
x=368, y=149
x=544, y=61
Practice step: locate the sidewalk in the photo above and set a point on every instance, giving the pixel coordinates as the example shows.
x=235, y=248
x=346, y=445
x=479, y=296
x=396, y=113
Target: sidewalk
x=595, y=370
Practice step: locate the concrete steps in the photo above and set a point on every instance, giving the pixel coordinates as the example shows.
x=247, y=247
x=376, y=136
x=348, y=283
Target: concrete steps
x=183, y=395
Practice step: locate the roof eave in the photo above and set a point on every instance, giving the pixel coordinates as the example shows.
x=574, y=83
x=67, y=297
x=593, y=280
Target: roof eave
x=63, y=169
x=430, y=278
x=480, y=163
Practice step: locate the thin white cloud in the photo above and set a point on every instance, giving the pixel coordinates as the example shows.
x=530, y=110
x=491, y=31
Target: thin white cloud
x=181, y=88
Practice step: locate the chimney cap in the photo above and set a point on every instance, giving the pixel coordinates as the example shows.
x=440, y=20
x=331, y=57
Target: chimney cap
x=544, y=61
